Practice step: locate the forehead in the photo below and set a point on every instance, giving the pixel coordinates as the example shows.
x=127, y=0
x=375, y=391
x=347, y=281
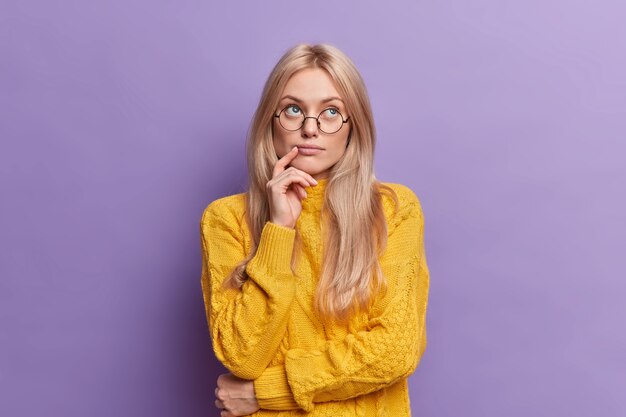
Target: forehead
x=311, y=85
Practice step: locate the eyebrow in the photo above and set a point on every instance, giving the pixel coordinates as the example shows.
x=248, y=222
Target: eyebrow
x=326, y=100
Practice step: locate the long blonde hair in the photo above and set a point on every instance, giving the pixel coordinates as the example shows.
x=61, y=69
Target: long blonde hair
x=352, y=206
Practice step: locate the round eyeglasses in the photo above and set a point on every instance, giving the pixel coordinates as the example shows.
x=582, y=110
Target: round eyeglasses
x=292, y=118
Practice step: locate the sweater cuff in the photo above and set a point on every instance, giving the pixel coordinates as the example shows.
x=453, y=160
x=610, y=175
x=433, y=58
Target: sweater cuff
x=273, y=255
x=272, y=390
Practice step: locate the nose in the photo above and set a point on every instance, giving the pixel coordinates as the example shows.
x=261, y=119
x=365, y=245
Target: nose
x=310, y=129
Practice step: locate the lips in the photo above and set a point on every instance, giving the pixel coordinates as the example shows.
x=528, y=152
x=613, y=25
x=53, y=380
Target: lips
x=309, y=147
x=308, y=151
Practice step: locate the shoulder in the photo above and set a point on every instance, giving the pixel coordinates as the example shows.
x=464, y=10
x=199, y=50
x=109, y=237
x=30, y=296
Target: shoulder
x=399, y=202
x=229, y=209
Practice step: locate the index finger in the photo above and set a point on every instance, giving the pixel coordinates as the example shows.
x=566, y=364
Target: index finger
x=284, y=161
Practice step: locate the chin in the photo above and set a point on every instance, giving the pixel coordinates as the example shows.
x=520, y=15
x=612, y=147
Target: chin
x=311, y=169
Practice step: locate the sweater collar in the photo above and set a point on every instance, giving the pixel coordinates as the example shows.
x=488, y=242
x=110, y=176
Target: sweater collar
x=315, y=195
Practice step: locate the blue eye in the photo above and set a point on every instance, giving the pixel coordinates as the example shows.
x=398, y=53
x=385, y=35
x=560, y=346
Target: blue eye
x=330, y=113
x=296, y=110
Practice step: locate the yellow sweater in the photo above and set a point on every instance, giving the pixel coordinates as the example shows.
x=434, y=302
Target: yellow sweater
x=268, y=331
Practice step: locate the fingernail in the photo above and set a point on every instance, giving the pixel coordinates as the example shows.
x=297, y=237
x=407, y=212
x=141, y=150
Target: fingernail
x=295, y=147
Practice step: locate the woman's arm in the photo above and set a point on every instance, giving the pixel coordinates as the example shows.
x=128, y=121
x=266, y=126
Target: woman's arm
x=387, y=350
x=246, y=325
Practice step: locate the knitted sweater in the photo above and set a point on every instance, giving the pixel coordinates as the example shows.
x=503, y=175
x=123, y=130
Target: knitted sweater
x=268, y=332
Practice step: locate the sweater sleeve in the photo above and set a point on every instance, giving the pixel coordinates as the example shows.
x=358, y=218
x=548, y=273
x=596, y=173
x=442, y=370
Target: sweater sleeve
x=387, y=349
x=247, y=324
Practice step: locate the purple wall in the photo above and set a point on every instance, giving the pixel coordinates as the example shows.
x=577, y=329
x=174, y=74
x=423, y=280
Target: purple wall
x=120, y=121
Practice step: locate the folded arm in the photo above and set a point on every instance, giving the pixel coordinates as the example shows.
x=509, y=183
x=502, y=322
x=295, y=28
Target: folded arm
x=247, y=324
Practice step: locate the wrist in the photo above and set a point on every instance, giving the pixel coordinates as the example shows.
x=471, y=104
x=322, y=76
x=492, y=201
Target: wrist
x=278, y=223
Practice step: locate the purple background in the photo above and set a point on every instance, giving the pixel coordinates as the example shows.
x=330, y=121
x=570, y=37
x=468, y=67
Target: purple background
x=120, y=121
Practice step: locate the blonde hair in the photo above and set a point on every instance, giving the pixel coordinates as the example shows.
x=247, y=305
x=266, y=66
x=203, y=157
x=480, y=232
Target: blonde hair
x=352, y=205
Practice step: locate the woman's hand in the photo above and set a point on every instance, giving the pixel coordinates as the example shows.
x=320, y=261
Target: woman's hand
x=286, y=190
x=235, y=396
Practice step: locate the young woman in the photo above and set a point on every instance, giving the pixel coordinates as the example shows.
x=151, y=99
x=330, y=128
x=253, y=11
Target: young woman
x=315, y=280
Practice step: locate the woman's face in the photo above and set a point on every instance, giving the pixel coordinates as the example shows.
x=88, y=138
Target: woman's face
x=311, y=91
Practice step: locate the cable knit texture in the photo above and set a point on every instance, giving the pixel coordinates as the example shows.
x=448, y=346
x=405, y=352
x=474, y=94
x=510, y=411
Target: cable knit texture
x=268, y=331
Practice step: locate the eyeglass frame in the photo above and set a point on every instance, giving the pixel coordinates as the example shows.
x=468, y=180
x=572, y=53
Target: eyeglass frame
x=311, y=117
